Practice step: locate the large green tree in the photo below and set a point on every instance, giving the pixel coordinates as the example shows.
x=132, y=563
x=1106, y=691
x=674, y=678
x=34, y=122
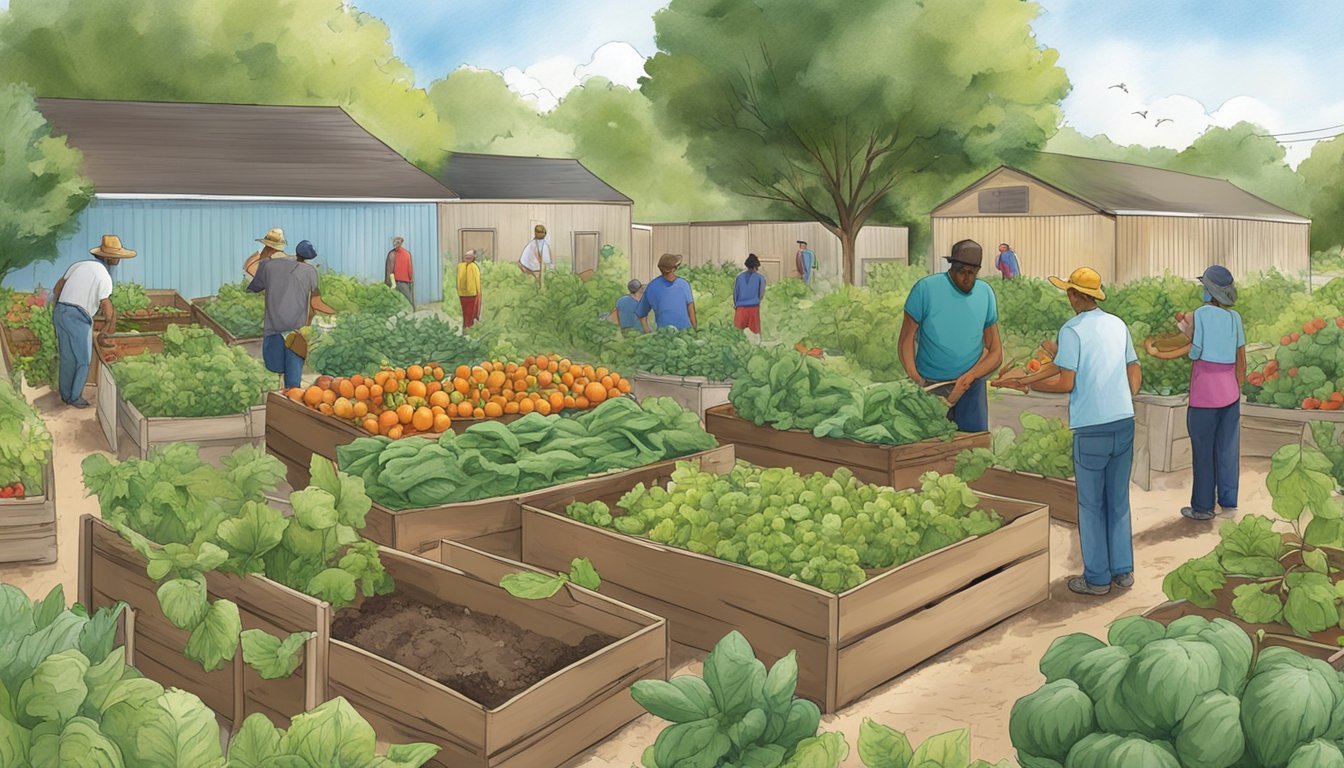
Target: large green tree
x=241, y=51
x=1323, y=178
x=41, y=183
x=829, y=107
x=486, y=116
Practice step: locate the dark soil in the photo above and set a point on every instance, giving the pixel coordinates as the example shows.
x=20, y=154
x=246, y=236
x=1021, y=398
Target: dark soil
x=488, y=659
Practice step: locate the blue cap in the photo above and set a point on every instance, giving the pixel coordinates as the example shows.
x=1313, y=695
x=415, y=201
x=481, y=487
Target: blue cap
x=305, y=250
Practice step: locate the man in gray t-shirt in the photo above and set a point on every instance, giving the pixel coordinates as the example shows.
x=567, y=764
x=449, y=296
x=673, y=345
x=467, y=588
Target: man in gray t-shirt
x=291, y=288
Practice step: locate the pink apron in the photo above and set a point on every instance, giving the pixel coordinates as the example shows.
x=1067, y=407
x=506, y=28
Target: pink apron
x=1213, y=385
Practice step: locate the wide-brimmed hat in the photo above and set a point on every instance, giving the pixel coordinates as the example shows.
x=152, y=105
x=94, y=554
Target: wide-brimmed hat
x=111, y=249
x=275, y=239
x=1217, y=280
x=966, y=252
x=669, y=261
x=1084, y=280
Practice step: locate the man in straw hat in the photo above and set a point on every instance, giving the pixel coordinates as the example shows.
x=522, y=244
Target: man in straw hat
x=950, y=334
x=1100, y=372
x=84, y=290
x=400, y=273
x=272, y=245
x=668, y=297
x=291, y=288
x=536, y=256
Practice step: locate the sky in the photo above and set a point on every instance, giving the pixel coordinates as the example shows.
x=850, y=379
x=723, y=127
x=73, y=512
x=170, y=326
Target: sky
x=1189, y=63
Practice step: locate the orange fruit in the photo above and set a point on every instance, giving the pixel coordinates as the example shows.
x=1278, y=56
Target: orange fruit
x=371, y=425
x=569, y=401
x=567, y=379
x=344, y=388
x=493, y=410
x=442, y=423
x=607, y=382
x=395, y=432
x=422, y=419
x=295, y=394
x=404, y=414
x=511, y=407
x=415, y=373
x=531, y=382
x=479, y=375
x=544, y=379
x=434, y=386
x=526, y=406
x=375, y=392
x=613, y=392
x=529, y=361
x=553, y=367
x=392, y=385
x=462, y=385
x=595, y=393
x=510, y=368
x=543, y=407
x=323, y=382
x=462, y=372
x=624, y=386
x=478, y=413
x=343, y=408
x=565, y=363
x=542, y=361
x=387, y=419
x=361, y=409
x=312, y=396
x=416, y=388
x=328, y=396
x=496, y=380
x=464, y=410
x=581, y=403
x=380, y=378
x=324, y=409
x=361, y=392
x=600, y=372
x=557, y=401
x=439, y=398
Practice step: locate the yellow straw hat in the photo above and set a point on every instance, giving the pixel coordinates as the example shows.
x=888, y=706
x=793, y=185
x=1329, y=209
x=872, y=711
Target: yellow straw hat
x=111, y=249
x=1084, y=280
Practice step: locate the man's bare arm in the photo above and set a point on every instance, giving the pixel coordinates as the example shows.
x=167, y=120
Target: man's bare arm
x=905, y=346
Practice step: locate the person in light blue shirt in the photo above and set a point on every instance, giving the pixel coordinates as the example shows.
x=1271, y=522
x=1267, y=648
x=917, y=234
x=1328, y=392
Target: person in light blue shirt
x=1100, y=372
x=807, y=261
x=626, y=307
x=950, y=333
x=668, y=297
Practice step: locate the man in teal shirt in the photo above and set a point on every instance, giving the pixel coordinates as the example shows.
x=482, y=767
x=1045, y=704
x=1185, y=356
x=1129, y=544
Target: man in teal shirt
x=950, y=333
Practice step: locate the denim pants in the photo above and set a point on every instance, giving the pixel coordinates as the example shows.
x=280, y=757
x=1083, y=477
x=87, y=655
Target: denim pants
x=74, y=345
x=1215, y=447
x=971, y=413
x=281, y=359
x=1102, y=457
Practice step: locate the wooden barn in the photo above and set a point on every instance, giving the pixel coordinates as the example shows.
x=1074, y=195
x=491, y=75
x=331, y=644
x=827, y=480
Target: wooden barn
x=500, y=199
x=774, y=242
x=1126, y=221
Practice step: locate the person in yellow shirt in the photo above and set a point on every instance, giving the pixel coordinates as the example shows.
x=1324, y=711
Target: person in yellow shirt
x=469, y=288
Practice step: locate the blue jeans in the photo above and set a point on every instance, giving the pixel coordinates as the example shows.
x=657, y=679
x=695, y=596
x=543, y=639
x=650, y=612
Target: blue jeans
x=1102, y=456
x=971, y=413
x=74, y=345
x=281, y=359
x=1215, y=446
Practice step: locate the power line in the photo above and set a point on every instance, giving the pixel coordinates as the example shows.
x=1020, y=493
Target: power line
x=1299, y=133
x=1318, y=138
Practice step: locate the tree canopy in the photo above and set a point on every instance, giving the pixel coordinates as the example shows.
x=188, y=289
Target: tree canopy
x=1323, y=179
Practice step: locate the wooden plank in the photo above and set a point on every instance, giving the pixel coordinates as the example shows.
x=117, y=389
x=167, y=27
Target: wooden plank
x=32, y=545
x=1060, y=496
x=590, y=724
x=880, y=657
x=105, y=404
x=694, y=393
x=33, y=510
x=507, y=544
x=723, y=422
x=1170, y=611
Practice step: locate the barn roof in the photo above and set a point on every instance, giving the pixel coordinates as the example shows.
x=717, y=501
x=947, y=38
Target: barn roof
x=505, y=177
x=1127, y=189
x=137, y=148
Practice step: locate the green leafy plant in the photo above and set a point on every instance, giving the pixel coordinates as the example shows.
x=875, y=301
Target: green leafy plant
x=716, y=353
x=1307, y=370
x=188, y=519
x=737, y=714
x=821, y=530
x=349, y=295
x=25, y=445
x=197, y=374
x=881, y=746
x=365, y=343
x=1045, y=448
x=491, y=459
x=129, y=297
x=530, y=585
x=40, y=364
x=238, y=311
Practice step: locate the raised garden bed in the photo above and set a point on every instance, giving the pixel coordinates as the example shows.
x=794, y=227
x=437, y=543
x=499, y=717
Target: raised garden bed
x=28, y=525
x=1265, y=428
x=166, y=307
x=105, y=401
x=694, y=393
x=250, y=343
x=1320, y=646
x=546, y=723
x=1006, y=407
x=495, y=525
x=848, y=643
x=898, y=466
x=1061, y=496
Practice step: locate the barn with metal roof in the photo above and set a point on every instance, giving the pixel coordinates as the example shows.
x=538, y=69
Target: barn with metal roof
x=1059, y=212
x=192, y=186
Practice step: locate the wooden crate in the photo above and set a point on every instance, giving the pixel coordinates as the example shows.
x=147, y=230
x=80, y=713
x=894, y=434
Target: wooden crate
x=555, y=720
x=28, y=525
x=1168, y=439
x=694, y=393
x=1265, y=429
x=250, y=343
x=1006, y=407
x=847, y=644
x=1320, y=646
x=896, y=465
x=1061, y=496
x=495, y=525
x=111, y=570
x=7, y=363
x=154, y=321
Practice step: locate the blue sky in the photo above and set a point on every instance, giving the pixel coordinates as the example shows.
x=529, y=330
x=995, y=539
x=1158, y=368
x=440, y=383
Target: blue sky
x=1199, y=63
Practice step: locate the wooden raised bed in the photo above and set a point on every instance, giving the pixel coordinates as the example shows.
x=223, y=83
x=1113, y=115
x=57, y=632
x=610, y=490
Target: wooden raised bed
x=106, y=398
x=694, y=393
x=250, y=343
x=847, y=644
x=111, y=570
x=1061, y=496
x=495, y=525
x=1006, y=407
x=1265, y=428
x=1319, y=646
x=544, y=726
x=28, y=525
x=896, y=465
x=166, y=307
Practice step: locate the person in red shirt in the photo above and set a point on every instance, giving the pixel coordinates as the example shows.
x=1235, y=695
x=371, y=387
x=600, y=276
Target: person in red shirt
x=399, y=271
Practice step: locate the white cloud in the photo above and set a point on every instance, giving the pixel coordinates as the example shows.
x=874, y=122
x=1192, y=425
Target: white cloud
x=545, y=82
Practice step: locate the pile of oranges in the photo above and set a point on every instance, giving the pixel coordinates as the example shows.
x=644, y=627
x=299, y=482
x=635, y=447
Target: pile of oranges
x=419, y=399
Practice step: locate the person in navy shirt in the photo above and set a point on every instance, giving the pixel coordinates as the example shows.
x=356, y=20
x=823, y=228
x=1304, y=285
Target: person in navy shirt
x=668, y=297
x=1006, y=262
x=748, y=290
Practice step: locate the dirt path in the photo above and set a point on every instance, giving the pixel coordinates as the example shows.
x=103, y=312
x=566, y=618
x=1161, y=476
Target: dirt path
x=974, y=684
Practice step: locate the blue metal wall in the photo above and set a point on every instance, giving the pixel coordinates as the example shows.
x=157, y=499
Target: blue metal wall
x=193, y=246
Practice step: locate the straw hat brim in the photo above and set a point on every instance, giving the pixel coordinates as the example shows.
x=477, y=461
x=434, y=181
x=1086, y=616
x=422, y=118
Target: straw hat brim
x=120, y=253
x=279, y=245
x=1065, y=285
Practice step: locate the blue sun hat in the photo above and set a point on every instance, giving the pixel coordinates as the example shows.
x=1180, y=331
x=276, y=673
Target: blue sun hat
x=305, y=251
x=1219, y=285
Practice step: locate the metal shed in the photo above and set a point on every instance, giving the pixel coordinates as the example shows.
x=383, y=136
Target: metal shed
x=774, y=242
x=1127, y=221
x=500, y=199
x=192, y=186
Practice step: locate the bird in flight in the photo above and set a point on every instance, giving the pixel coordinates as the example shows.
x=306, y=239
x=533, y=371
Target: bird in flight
x=1144, y=115
x=1162, y=120
x=1121, y=86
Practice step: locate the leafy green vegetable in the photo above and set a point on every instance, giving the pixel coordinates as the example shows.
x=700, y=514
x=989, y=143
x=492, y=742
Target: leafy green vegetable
x=197, y=374
x=25, y=443
x=238, y=311
x=129, y=297
x=1045, y=448
x=367, y=342
x=821, y=530
x=538, y=586
x=272, y=657
x=350, y=295
x=883, y=747
x=716, y=353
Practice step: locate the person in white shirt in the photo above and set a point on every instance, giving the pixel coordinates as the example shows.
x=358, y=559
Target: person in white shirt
x=536, y=256
x=83, y=292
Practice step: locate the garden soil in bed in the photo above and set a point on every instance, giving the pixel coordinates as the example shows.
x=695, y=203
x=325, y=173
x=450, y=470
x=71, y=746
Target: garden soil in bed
x=488, y=659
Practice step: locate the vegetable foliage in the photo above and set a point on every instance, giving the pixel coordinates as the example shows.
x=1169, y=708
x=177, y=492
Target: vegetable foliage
x=1045, y=447
x=197, y=374
x=25, y=443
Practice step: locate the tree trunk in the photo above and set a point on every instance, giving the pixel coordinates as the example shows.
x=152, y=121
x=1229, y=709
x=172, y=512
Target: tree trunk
x=848, y=256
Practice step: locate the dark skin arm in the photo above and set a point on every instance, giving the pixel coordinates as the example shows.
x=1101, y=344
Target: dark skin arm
x=990, y=360
x=905, y=347
x=1063, y=383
